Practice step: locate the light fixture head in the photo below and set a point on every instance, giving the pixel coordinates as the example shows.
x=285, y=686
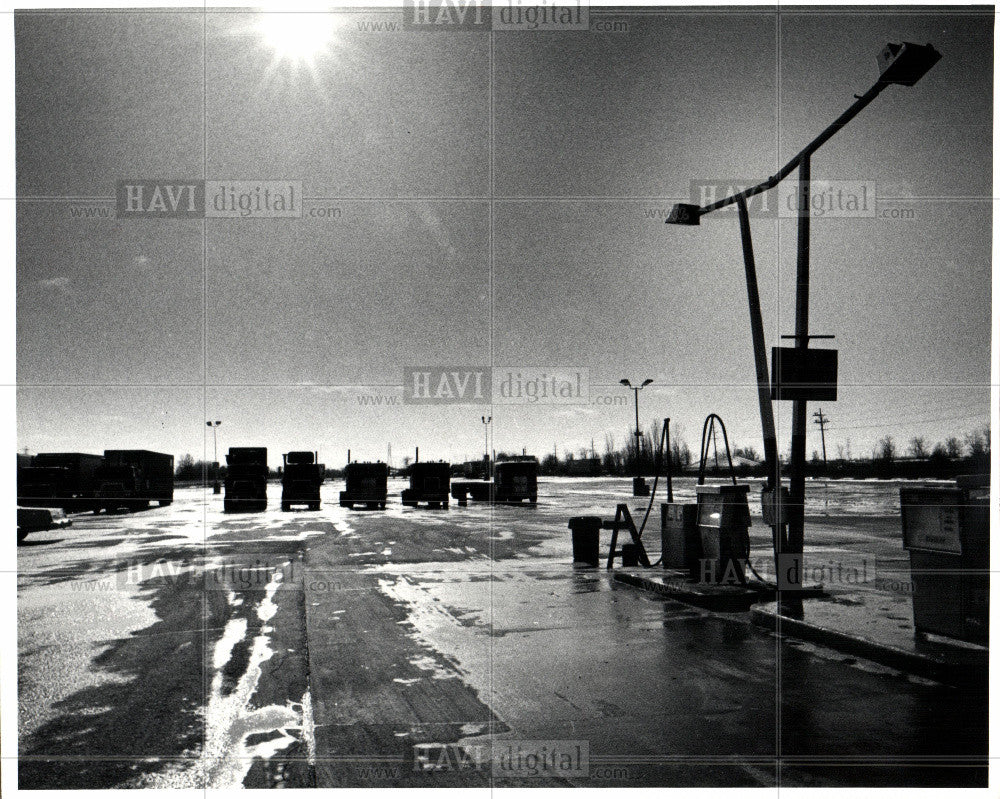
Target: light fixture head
x=905, y=63
x=684, y=214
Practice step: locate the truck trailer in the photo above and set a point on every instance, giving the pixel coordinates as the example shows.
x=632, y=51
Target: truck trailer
x=429, y=482
x=132, y=478
x=246, y=479
x=66, y=480
x=301, y=478
x=366, y=484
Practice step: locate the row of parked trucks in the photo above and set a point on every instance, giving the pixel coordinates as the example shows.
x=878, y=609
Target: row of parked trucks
x=367, y=482
x=132, y=479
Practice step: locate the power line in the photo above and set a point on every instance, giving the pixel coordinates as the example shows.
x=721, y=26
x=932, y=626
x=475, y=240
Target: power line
x=899, y=425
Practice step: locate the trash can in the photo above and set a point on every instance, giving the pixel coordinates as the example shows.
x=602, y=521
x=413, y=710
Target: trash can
x=586, y=539
x=723, y=526
x=946, y=531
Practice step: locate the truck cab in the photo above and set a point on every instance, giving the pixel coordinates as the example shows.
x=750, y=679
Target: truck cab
x=515, y=481
x=246, y=479
x=430, y=483
x=301, y=477
x=366, y=484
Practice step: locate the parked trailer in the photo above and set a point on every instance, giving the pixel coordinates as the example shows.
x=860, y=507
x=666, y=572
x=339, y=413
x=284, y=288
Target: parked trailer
x=132, y=478
x=366, y=485
x=66, y=480
x=429, y=482
x=301, y=478
x=246, y=479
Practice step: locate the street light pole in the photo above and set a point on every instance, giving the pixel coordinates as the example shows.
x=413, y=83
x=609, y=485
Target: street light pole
x=903, y=64
x=639, y=487
x=215, y=456
x=486, y=444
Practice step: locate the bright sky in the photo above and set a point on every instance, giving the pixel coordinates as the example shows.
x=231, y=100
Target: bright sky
x=511, y=217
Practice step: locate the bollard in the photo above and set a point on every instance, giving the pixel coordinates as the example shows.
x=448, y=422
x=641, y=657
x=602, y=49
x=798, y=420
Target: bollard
x=586, y=539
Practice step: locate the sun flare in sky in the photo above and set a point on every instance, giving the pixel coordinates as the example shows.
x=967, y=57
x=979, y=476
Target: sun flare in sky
x=298, y=37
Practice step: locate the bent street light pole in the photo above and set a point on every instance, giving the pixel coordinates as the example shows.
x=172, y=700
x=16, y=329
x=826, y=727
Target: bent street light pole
x=903, y=64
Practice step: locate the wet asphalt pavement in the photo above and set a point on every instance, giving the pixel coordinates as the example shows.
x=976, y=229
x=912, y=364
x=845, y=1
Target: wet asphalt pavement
x=181, y=647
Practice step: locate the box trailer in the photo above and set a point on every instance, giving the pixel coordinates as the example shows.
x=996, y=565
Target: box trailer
x=66, y=480
x=132, y=478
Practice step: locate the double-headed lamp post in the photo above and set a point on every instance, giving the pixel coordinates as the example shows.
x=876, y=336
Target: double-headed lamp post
x=800, y=374
x=639, y=488
x=215, y=455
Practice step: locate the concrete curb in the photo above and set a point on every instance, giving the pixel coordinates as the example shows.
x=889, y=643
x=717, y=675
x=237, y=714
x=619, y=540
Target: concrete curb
x=723, y=598
x=967, y=666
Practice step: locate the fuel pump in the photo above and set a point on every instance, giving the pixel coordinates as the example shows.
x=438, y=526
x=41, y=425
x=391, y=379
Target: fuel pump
x=723, y=519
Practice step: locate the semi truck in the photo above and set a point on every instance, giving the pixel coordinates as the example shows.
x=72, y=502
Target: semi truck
x=246, y=479
x=132, y=478
x=513, y=482
x=366, y=485
x=66, y=480
x=516, y=481
x=429, y=482
x=301, y=477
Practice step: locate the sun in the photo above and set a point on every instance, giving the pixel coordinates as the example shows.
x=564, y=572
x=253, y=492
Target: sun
x=297, y=37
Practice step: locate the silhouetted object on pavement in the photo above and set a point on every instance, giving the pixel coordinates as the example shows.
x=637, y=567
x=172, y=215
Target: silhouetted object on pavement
x=946, y=530
x=246, y=479
x=366, y=485
x=65, y=480
x=132, y=478
x=430, y=483
x=32, y=520
x=300, y=480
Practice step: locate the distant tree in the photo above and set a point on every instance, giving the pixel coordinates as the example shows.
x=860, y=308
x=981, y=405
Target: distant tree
x=977, y=442
x=549, y=464
x=747, y=452
x=918, y=447
x=885, y=450
x=840, y=452
x=953, y=447
x=186, y=469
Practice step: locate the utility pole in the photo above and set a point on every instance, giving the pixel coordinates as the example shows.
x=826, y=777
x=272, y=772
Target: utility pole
x=822, y=421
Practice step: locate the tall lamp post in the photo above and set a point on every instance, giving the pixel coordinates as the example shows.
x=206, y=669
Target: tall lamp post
x=486, y=445
x=216, y=488
x=639, y=487
x=800, y=374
